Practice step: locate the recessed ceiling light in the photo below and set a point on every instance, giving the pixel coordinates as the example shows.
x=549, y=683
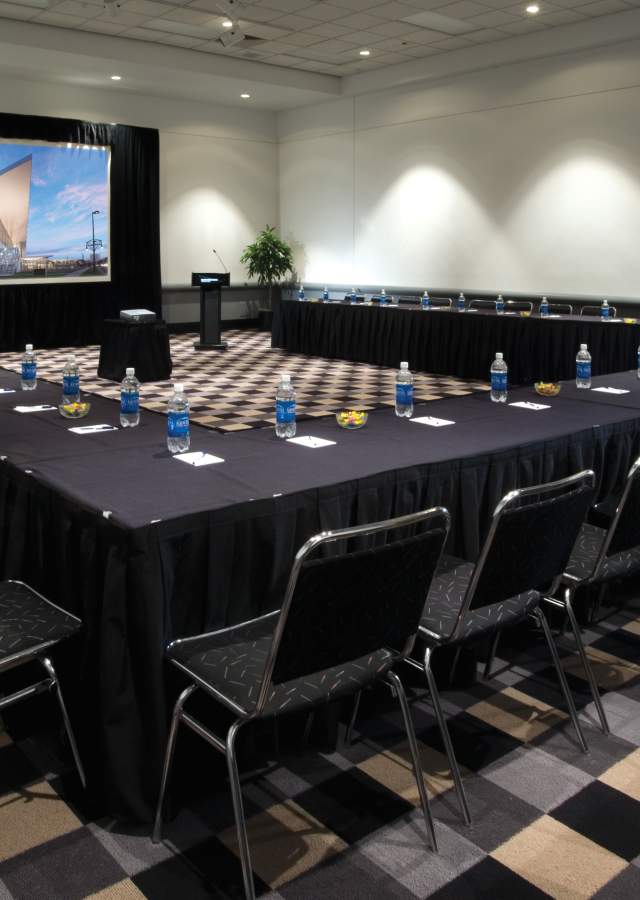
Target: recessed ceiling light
x=116, y=77
x=246, y=96
x=533, y=9
x=227, y=23
x=365, y=53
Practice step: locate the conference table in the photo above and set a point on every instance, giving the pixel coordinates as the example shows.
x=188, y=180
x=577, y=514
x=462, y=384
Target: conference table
x=448, y=342
x=146, y=548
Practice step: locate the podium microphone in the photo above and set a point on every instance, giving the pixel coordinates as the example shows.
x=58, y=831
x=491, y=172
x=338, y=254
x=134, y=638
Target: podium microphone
x=220, y=258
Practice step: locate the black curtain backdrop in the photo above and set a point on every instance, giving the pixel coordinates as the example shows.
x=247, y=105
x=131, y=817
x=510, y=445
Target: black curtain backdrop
x=72, y=314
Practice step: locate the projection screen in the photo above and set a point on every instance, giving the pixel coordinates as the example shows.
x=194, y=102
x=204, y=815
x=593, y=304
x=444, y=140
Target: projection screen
x=54, y=212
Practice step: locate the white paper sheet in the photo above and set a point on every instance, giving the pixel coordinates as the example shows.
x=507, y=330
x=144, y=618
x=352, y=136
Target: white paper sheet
x=433, y=421
x=198, y=458
x=308, y=441
x=525, y=404
x=92, y=429
x=42, y=407
x=611, y=390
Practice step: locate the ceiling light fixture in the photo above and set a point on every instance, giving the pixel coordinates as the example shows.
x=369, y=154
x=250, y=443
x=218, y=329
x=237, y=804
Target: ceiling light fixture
x=533, y=9
x=231, y=37
x=246, y=96
x=365, y=52
x=116, y=77
x=227, y=23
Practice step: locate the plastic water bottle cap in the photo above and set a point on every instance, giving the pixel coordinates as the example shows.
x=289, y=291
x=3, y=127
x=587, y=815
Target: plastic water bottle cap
x=404, y=365
x=544, y=299
x=29, y=347
x=498, y=355
x=583, y=346
x=130, y=371
x=499, y=296
x=286, y=378
x=71, y=358
x=178, y=387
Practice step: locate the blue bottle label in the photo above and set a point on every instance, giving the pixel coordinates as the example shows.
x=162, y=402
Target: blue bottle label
x=178, y=424
x=285, y=412
x=71, y=385
x=461, y=304
x=129, y=402
x=404, y=394
x=583, y=371
x=29, y=371
x=604, y=312
x=544, y=309
x=425, y=303
x=499, y=381
x=325, y=295
x=499, y=306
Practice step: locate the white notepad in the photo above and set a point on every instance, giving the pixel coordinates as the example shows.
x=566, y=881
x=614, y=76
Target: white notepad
x=433, y=421
x=526, y=404
x=42, y=407
x=198, y=458
x=308, y=441
x=92, y=429
x=611, y=390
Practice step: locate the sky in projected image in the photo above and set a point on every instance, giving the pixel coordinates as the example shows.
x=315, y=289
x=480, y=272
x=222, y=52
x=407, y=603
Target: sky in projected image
x=67, y=184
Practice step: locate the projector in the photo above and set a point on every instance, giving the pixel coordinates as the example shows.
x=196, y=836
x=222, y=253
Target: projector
x=230, y=38
x=137, y=315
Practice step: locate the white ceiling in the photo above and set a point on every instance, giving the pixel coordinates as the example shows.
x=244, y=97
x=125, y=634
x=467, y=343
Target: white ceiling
x=315, y=37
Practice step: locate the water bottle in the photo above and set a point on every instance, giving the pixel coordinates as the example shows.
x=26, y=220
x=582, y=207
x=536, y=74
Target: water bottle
x=604, y=311
x=354, y=295
x=29, y=371
x=500, y=305
x=130, y=400
x=425, y=302
x=461, y=302
x=383, y=297
x=325, y=293
x=499, y=379
x=404, y=391
x=70, y=381
x=583, y=367
x=301, y=293
x=178, y=439
x=285, y=408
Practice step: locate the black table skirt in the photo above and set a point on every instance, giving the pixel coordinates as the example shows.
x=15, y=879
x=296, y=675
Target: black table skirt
x=452, y=343
x=143, y=345
x=145, y=549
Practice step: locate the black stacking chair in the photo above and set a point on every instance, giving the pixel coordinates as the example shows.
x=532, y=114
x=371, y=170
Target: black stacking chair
x=560, y=309
x=444, y=302
x=595, y=311
x=518, y=306
x=525, y=553
x=359, y=297
x=346, y=620
x=599, y=556
x=482, y=304
x=30, y=626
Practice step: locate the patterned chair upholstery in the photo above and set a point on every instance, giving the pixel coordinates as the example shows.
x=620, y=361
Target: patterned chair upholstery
x=29, y=626
x=348, y=615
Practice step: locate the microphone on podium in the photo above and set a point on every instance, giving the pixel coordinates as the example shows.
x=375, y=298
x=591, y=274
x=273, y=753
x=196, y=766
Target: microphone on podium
x=220, y=258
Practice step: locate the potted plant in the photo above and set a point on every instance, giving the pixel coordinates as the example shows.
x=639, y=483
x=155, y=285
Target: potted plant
x=268, y=259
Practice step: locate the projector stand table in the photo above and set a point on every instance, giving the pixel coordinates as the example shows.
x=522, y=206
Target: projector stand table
x=143, y=345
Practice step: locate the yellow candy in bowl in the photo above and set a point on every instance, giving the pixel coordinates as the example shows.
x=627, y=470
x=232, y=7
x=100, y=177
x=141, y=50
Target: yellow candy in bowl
x=547, y=388
x=352, y=418
x=74, y=410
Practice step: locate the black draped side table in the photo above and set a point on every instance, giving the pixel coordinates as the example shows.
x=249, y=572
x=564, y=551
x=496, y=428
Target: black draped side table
x=143, y=345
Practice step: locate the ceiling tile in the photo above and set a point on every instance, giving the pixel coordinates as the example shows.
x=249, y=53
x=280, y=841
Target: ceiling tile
x=335, y=45
x=325, y=12
x=143, y=34
x=126, y=19
x=426, y=5
x=421, y=50
x=98, y=27
x=181, y=40
x=391, y=44
x=492, y=19
x=284, y=60
x=59, y=20
x=393, y=29
x=561, y=17
x=359, y=21
x=261, y=30
x=275, y=47
x=500, y=4
x=485, y=35
x=394, y=11
x=301, y=39
x=190, y=16
x=288, y=5
x=364, y=37
x=602, y=7
x=461, y=10
x=13, y=11
x=524, y=26
x=452, y=43
x=145, y=7
x=423, y=36
x=253, y=12
x=328, y=29
x=293, y=22
x=81, y=10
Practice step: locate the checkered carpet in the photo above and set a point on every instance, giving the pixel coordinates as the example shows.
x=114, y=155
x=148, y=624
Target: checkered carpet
x=235, y=390
x=549, y=821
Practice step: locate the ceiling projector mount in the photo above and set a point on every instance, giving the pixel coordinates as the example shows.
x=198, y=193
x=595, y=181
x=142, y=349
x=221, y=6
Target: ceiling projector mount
x=235, y=34
x=112, y=6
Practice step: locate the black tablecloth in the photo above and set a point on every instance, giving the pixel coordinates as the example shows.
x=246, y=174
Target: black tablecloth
x=451, y=343
x=145, y=548
x=143, y=345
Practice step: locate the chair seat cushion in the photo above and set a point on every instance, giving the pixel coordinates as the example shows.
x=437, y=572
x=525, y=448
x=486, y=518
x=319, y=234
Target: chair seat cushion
x=232, y=663
x=446, y=597
x=585, y=555
x=28, y=621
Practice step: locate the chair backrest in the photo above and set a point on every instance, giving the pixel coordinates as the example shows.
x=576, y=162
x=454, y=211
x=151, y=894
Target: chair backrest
x=595, y=311
x=519, y=305
x=359, y=297
x=440, y=301
x=342, y=607
x=563, y=309
x=482, y=304
x=624, y=531
x=530, y=539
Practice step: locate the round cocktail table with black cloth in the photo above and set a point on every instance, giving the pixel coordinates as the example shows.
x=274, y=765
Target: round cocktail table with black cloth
x=143, y=345
x=446, y=342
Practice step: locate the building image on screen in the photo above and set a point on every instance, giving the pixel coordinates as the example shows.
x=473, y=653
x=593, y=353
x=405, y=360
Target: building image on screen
x=54, y=212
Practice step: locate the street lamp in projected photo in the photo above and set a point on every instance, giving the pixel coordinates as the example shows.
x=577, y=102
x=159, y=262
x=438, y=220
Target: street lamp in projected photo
x=93, y=244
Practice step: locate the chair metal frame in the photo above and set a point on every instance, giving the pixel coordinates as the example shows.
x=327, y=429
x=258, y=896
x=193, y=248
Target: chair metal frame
x=571, y=585
x=563, y=309
x=227, y=746
x=586, y=477
x=518, y=306
x=595, y=311
x=50, y=683
x=482, y=303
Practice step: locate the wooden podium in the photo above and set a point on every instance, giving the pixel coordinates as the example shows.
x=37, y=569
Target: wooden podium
x=210, y=284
